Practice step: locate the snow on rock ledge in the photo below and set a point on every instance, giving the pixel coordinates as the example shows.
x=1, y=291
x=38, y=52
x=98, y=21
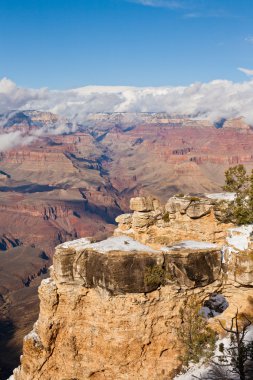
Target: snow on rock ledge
x=221, y=196
x=191, y=245
x=120, y=264
x=239, y=238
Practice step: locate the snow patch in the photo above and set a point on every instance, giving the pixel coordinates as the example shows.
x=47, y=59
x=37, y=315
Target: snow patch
x=201, y=369
x=33, y=336
x=214, y=306
x=190, y=244
x=47, y=281
x=120, y=243
x=76, y=243
x=239, y=237
x=222, y=196
x=129, y=231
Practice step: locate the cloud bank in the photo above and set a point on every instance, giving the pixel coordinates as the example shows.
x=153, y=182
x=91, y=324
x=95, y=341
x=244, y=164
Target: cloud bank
x=12, y=139
x=214, y=100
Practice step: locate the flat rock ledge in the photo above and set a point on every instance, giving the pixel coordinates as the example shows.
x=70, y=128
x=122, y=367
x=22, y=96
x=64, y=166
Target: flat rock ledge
x=123, y=265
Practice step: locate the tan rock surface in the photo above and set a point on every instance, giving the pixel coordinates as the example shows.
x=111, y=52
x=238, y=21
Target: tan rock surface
x=141, y=204
x=182, y=218
x=101, y=316
x=90, y=331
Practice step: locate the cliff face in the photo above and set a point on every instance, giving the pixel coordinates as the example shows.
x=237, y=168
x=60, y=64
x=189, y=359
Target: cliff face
x=110, y=308
x=100, y=319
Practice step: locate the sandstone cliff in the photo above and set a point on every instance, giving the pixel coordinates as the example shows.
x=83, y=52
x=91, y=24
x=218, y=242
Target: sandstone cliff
x=181, y=218
x=110, y=308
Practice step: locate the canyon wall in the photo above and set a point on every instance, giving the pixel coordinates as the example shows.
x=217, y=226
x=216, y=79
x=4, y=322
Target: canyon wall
x=62, y=186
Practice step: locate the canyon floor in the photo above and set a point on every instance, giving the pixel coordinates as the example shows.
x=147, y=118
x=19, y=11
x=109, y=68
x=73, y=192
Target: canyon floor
x=62, y=186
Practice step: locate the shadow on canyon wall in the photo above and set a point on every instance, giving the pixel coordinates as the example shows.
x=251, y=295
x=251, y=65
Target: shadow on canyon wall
x=9, y=355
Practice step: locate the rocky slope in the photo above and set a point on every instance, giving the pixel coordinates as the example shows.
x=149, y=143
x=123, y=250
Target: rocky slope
x=21, y=271
x=50, y=191
x=175, y=157
x=86, y=174
x=103, y=313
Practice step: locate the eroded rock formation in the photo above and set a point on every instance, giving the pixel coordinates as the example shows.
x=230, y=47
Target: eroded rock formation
x=110, y=308
x=181, y=218
x=100, y=319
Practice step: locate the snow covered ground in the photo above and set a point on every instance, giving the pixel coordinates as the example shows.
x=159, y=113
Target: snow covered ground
x=199, y=370
x=120, y=243
x=221, y=196
x=125, y=243
x=114, y=243
x=190, y=244
x=239, y=237
x=76, y=243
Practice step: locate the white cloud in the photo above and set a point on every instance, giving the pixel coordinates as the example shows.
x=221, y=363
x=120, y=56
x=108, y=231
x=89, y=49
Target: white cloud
x=171, y=4
x=214, y=100
x=12, y=139
x=247, y=72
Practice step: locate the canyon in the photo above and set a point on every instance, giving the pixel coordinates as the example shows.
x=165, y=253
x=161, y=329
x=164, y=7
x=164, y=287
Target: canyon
x=70, y=180
x=102, y=295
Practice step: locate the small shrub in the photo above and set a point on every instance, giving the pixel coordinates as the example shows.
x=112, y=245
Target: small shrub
x=154, y=276
x=166, y=217
x=197, y=338
x=194, y=199
x=180, y=195
x=239, y=182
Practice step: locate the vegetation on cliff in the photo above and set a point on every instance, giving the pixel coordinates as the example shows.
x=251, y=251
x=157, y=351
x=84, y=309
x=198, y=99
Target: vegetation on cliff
x=154, y=276
x=235, y=358
x=239, y=182
x=197, y=338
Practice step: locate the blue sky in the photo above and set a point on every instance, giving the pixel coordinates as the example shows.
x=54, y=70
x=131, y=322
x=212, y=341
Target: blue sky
x=71, y=43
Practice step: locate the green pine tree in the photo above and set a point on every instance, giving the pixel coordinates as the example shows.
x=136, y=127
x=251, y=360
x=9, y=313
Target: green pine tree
x=197, y=338
x=239, y=182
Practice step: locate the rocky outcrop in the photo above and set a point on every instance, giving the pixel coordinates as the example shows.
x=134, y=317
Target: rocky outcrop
x=110, y=308
x=102, y=296
x=87, y=314
x=66, y=186
x=181, y=218
x=119, y=265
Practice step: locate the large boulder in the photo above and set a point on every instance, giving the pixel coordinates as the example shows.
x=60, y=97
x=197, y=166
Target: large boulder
x=177, y=204
x=142, y=219
x=244, y=268
x=123, y=265
x=142, y=204
x=197, y=210
x=124, y=219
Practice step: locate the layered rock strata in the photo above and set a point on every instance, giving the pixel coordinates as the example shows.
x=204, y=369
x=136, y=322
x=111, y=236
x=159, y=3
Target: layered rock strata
x=111, y=308
x=102, y=317
x=181, y=218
